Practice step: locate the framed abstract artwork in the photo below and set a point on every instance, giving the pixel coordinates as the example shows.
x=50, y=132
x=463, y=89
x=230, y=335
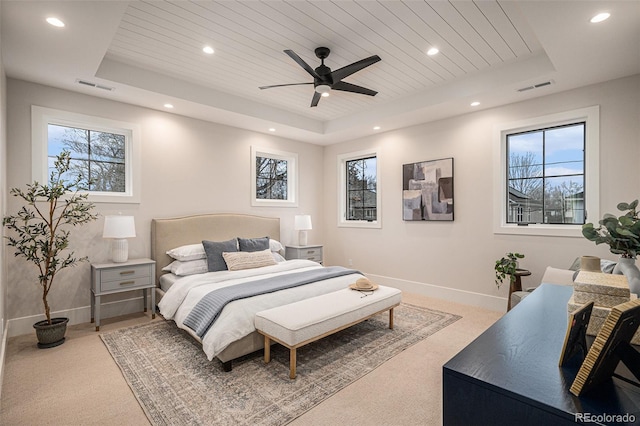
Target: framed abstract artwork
x=427, y=190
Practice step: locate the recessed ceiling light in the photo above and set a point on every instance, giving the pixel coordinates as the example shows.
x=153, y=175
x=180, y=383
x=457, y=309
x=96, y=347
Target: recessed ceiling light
x=432, y=51
x=55, y=22
x=168, y=106
x=272, y=129
x=475, y=103
x=376, y=128
x=208, y=50
x=600, y=17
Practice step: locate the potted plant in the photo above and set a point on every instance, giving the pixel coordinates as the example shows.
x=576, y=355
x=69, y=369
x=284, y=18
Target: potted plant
x=41, y=235
x=507, y=265
x=622, y=235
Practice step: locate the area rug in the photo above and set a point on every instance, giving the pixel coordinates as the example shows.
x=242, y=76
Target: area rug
x=176, y=385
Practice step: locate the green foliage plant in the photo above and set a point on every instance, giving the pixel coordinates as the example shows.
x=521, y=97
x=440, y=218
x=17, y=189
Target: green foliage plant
x=507, y=265
x=621, y=234
x=40, y=226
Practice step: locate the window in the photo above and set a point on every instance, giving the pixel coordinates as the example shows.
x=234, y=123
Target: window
x=273, y=178
x=548, y=174
x=359, y=190
x=545, y=175
x=105, y=153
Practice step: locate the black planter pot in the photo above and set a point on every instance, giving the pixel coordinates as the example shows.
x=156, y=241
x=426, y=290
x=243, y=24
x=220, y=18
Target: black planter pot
x=51, y=335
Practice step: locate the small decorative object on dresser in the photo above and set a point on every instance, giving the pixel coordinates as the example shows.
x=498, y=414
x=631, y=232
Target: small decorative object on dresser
x=118, y=277
x=622, y=235
x=41, y=235
x=310, y=252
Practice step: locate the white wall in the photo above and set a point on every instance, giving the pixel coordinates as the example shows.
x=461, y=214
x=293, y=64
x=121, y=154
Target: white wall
x=3, y=192
x=188, y=167
x=455, y=259
x=192, y=166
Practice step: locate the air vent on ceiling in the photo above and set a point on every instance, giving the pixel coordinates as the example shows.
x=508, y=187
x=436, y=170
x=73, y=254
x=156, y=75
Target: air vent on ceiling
x=535, y=86
x=96, y=85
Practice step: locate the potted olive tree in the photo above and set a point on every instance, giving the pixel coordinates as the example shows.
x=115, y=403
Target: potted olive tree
x=41, y=235
x=622, y=235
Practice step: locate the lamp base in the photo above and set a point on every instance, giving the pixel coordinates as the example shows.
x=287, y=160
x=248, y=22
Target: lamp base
x=119, y=250
x=302, y=238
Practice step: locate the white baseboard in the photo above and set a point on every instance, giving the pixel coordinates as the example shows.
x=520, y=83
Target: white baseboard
x=485, y=301
x=24, y=325
x=3, y=353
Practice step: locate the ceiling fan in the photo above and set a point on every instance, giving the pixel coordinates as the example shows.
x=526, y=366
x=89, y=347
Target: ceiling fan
x=325, y=80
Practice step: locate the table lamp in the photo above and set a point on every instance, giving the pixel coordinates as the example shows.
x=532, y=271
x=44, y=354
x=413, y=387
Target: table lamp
x=302, y=225
x=119, y=228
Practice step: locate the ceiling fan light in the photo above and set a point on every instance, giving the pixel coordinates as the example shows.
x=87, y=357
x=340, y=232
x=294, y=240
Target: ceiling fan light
x=323, y=89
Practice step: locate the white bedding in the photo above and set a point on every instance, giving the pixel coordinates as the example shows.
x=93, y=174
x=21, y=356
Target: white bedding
x=236, y=319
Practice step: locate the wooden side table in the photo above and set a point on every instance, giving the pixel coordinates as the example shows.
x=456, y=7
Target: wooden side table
x=517, y=284
x=109, y=278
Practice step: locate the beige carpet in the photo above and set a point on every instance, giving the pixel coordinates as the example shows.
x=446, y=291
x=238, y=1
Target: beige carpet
x=176, y=384
x=78, y=383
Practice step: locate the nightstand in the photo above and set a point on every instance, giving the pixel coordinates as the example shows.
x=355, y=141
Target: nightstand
x=312, y=252
x=110, y=278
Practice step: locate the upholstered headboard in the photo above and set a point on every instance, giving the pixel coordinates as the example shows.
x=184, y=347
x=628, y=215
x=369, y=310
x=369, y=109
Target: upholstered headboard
x=171, y=233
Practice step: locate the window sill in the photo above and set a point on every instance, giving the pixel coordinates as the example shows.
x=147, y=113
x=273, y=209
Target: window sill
x=543, y=230
x=360, y=224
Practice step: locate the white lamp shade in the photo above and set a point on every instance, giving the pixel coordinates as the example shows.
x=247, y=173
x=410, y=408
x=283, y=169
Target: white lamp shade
x=302, y=222
x=119, y=227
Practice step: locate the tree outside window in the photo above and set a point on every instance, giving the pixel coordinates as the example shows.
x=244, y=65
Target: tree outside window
x=546, y=175
x=271, y=178
x=362, y=189
x=99, y=157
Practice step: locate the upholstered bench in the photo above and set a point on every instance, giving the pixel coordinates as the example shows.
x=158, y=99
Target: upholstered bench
x=303, y=322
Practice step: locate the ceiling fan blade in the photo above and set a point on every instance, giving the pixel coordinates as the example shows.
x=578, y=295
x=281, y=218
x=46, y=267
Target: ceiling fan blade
x=346, y=71
x=282, y=85
x=316, y=98
x=348, y=87
x=302, y=63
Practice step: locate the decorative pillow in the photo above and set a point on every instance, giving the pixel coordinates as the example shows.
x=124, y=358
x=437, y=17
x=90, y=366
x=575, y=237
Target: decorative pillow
x=190, y=267
x=248, y=260
x=253, y=244
x=188, y=252
x=275, y=245
x=214, y=250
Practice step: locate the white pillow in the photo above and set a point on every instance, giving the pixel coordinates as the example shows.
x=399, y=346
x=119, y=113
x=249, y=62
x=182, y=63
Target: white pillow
x=239, y=260
x=188, y=252
x=189, y=267
x=277, y=256
x=274, y=245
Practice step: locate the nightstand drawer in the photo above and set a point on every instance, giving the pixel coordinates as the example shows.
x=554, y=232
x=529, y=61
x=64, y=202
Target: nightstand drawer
x=125, y=283
x=313, y=253
x=315, y=257
x=126, y=273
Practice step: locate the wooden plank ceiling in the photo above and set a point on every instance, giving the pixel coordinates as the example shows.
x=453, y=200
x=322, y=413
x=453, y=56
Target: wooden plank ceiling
x=249, y=38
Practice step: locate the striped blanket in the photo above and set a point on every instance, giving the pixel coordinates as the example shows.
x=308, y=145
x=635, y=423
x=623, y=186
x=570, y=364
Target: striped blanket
x=207, y=310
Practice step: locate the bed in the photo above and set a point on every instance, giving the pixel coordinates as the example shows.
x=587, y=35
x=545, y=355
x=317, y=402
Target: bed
x=233, y=334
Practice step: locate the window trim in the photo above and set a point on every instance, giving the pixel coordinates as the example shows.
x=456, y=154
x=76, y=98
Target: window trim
x=41, y=118
x=591, y=117
x=292, y=177
x=342, y=190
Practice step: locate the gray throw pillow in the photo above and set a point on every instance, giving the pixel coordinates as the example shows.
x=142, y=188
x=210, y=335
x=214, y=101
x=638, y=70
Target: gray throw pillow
x=214, y=250
x=253, y=244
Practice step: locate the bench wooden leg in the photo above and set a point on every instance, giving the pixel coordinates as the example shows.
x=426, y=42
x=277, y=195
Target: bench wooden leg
x=267, y=349
x=391, y=318
x=292, y=363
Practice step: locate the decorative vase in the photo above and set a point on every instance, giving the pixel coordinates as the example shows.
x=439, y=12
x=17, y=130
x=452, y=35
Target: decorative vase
x=51, y=335
x=628, y=268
